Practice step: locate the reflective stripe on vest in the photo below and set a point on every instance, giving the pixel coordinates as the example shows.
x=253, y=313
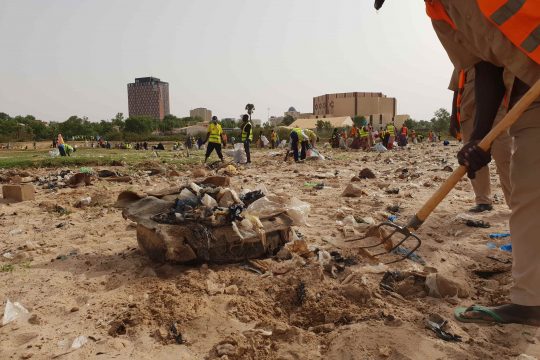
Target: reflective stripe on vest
x=300, y=134
x=518, y=20
x=244, y=133
x=215, y=133
x=363, y=133
x=436, y=11
x=391, y=130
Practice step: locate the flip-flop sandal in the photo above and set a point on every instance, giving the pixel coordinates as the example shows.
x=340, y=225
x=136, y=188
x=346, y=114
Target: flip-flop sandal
x=496, y=319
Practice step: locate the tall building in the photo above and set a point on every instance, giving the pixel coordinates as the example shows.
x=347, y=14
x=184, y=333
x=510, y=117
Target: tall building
x=203, y=113
x=148, y=96
x=354, y=104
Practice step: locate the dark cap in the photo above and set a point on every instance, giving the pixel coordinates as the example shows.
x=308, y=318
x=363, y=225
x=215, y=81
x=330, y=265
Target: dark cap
x=379, y=4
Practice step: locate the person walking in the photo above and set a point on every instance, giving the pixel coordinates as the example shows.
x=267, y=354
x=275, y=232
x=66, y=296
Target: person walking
x=247, y=136
x=213, y=137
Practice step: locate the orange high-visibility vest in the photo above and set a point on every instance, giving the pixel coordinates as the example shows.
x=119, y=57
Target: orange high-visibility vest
x=436, y=11
x=518, y=20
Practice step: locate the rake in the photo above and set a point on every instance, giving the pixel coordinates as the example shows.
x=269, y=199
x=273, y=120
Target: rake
x=393, y=236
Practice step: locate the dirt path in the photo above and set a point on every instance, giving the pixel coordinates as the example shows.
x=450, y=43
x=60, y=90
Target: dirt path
x=79, y=273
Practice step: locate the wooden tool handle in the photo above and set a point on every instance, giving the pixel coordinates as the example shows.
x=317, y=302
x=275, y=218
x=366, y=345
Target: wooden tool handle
x=511, y=117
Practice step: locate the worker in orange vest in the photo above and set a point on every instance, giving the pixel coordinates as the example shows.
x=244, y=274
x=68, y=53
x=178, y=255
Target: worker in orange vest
x=499, y=37
x=462, y=119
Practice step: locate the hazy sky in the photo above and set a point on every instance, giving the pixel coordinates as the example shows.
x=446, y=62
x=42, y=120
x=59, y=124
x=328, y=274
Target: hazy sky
x=65, y=57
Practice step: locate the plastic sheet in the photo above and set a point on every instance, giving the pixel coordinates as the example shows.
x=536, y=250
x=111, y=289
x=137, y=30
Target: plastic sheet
x=12, y=312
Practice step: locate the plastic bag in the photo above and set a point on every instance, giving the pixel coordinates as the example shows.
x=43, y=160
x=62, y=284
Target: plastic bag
x=272, y=205
x=239, y=154
x=12, y=312
x=185, y=194
x=79, y=342
x=380, y=148
x=209, y=201
x=54, y=153
x=265, y=140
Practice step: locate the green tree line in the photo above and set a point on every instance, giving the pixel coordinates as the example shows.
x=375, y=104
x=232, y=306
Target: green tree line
x=28, y=128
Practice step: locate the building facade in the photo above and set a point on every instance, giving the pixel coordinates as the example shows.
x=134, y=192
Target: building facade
x=148, y=96
x=292, y=112
x=203, y=113
x=354, y=104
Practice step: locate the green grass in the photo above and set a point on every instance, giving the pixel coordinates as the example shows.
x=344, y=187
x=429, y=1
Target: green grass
x=95, y=157
x=7, y=268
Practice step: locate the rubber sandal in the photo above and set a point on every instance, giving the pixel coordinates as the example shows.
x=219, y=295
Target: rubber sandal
x=481, y=309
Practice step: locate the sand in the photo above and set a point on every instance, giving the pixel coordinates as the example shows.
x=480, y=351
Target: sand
x=79, y=272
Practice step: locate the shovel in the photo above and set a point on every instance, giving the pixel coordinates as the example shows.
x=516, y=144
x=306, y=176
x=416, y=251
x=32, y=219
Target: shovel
x=394, y=235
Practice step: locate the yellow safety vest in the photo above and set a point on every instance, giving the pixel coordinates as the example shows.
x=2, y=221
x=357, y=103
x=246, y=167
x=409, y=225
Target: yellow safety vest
x=391, y=130
x=300, y=134
x=244, y=133
x=215, y=133
x=363, y=133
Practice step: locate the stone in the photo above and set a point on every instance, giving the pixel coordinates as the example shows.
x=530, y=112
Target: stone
x=18, y=193
x=366, y=174
x=353, y=191
x=199, y=173
x=80, y=179
x=358, y=294
x=231, y=290
x=222, y=181
x=225, y=349
x=441, y=287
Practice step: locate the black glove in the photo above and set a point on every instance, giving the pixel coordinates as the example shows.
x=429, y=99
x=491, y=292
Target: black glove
x=473, y=158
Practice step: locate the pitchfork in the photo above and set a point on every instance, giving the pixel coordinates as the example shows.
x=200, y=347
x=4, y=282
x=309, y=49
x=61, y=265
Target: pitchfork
x=406, y=233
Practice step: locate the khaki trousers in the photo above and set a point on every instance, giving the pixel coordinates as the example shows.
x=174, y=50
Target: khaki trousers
x=525, y=204
x=501, y=151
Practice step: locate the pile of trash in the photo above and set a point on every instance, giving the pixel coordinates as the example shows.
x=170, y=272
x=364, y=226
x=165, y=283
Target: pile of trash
x=63, y=178
x=210, y=222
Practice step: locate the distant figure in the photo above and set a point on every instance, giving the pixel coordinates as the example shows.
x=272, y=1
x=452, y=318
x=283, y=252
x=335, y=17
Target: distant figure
x=200, y=142
x=214, y=138
x=189, y=143
x=247, y=135
x=145, y=145
x=60, y=144
x=334, y=140
x=159, y=147
x=273, y=139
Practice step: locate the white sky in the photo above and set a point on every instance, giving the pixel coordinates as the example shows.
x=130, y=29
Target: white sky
x=74, y=57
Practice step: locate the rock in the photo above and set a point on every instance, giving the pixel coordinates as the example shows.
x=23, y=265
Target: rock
x=356, y=293
x=325, y=328
x=366, y=174
x=526, y=357
x=80, y=179
x=199, y=173
x=106, y=173
x=441, y=287
x=173, y=173
x=27, y=355
x=83, y=202
x=225, y=349
x=148, y=272
x=74, y=309
x=284, y=254
x=34, y=320
x=353, y=191
x=231, y=290
x=355, y=179
x=18, y=193
x=220, y=181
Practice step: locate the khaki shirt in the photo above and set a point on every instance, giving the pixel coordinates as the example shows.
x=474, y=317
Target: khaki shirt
x=477, y=39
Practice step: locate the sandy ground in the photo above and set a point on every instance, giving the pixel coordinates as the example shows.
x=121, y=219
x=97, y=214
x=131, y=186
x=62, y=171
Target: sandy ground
x=79, y=273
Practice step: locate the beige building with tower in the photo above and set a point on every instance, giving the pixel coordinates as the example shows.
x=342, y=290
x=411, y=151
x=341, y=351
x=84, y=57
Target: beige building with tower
x=354, y=104
x=203, y=113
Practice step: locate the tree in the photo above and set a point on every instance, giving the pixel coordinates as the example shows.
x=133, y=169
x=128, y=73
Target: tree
x=441, y=121
x=250, y=108
x=229, y=123
x=359, y=121
x=118, y=120
x=141, y=125
x=287, y=120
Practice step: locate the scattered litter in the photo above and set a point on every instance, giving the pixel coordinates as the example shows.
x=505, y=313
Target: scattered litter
x=392, y=191
x=79, y=342
x=499, y=235
x=176, y=335
x=506, y=247
x=392, y=218
x=15, y=232
x=437, y=324
x=83, y=202
x=478, y=224
x=12, y=312
x=400, y=250
x=448, y=168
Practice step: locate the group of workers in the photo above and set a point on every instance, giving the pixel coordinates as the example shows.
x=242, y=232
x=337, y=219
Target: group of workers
x=364, y=137
x=494, y=46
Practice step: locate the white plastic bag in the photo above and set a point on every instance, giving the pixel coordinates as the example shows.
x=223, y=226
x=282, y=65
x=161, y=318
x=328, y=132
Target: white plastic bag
x=272, y=205
x=79, y=342
x=298, y=211
x=265, y=140
x=380, y=148
x=54, y=153
x=209, y=201
x=12, y=312
x=239, y=153
x=185, y=194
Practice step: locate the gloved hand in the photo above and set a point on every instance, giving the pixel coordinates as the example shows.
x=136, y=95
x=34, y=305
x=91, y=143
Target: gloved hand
x=473, y=158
